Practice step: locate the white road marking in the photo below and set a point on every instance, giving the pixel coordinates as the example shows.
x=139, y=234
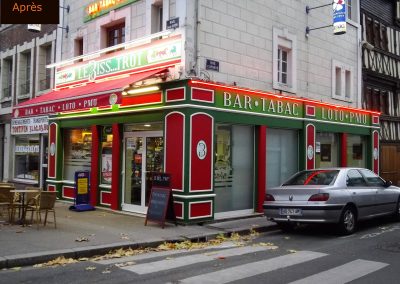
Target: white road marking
x=344, y=273
x=166, y=264
x=253, y=268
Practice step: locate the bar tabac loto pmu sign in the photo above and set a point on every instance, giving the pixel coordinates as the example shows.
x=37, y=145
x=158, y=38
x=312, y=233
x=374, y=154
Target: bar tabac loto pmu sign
x=153, y=55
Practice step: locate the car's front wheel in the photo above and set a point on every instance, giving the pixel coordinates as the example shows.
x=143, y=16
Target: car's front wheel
x=348, y=221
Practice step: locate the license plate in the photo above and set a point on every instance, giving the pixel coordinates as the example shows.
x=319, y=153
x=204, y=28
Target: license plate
x=290, y=211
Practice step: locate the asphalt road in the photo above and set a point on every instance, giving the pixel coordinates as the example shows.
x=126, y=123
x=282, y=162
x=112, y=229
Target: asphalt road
x=310, y=254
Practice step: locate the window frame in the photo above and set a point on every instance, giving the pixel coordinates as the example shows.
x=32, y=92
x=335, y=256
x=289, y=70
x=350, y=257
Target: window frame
x=284, y=40
x=344, y=82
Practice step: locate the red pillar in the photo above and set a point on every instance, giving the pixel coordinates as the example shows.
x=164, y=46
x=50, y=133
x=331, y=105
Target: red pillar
x=94, y=168
x=116, y=166
x=262, y=164
x=343, y=153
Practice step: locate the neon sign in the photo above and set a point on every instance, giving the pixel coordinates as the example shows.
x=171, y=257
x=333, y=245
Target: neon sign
x=101, y=7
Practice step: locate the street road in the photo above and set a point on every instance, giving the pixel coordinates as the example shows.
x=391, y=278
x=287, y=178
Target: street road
x=310, y=254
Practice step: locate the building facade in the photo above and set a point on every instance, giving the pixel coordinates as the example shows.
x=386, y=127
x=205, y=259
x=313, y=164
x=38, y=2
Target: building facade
x=381, y=77
x=23, y=76
x=233, y=98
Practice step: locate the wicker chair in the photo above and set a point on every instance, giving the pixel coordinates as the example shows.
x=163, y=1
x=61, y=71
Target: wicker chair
x=6, y=200
x=44, y=202
x=31, y=198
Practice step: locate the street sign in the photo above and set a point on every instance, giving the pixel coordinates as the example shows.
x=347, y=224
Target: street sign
x=173, y=23
x=212, y=65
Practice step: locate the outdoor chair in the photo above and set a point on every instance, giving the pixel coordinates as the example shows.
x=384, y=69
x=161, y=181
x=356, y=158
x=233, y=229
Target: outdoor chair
x=29, y=199
x=5, y=184
x=6, y=201
x=44, y=202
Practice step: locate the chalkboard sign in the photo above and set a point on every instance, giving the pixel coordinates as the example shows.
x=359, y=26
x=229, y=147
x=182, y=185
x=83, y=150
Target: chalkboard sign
x=162, y=179
x=160, y=206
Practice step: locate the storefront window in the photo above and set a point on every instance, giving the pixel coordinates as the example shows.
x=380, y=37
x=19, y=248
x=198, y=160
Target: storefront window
x=282, y=155
x=356, y=151
x=77, y=151
x=106, y=155
x=326, y=150
x=27, y=157
x=233, y=167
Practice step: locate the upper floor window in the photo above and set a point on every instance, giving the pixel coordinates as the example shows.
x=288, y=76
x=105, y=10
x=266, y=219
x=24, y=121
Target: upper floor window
x=7, y=77
x=25, y=74
x=78, y=47
x=342, y=81
x=157, y=18
x=376, y=34
x=284, y=60
x=282, y=65
x=116, y=35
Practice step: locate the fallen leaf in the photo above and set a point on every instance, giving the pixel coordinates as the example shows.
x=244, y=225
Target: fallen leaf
x=268, y=245
x=18, y=232
x=106, y=271
x=90, y=268
x=40, y=265
x=221, y=257
x=61, y=260
x=81, y=239
x=125, y=238
x=292, y=250
x=125, y=264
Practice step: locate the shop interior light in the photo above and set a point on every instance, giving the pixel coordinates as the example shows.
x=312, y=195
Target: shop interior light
x=143, y=90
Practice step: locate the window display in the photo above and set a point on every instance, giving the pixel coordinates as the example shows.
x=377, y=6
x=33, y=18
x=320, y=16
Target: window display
x=282, y=155
x=233, y=167
x=356, y=151
x=27, y=157
x=77, y=151
x=106, y=155
x=326, y=150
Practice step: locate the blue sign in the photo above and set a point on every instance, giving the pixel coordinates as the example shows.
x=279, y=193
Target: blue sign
x=339, y=17
x=82, y=187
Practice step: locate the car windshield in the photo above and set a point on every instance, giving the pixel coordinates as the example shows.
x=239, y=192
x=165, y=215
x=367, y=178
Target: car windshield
x=315, y=177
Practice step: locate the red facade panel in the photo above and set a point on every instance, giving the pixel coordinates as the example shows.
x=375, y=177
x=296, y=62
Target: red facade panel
x=201, y=152
x=174, y=148
x=200, y=209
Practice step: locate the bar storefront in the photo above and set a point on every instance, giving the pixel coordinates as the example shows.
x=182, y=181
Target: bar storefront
x=224, y=146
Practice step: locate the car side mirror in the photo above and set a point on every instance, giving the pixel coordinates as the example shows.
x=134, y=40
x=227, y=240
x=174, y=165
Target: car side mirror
x=388, y=183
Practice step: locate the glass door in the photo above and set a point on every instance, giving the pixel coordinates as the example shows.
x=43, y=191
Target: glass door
x=144, y=156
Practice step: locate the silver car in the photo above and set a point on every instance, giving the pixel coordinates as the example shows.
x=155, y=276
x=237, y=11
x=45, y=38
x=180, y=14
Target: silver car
x=336, y=195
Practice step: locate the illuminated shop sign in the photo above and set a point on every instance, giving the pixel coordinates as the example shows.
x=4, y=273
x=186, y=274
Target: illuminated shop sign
x=339, y=17
x=121, y=63
x=266, y=105
x=31, y=125
x=102, y=7
x=290, y=108
x=71, y=104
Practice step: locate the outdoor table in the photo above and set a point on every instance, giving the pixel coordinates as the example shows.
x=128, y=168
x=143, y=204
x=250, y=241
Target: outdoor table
x=22, y=220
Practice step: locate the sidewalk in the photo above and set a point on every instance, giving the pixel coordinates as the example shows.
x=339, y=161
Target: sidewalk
x=85, y=234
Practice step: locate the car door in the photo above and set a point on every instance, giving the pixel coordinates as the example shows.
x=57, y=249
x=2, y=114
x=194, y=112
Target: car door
x=385, y=198
x=362, y=195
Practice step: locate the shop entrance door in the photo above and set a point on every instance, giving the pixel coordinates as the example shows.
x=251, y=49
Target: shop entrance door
x=144, y=156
